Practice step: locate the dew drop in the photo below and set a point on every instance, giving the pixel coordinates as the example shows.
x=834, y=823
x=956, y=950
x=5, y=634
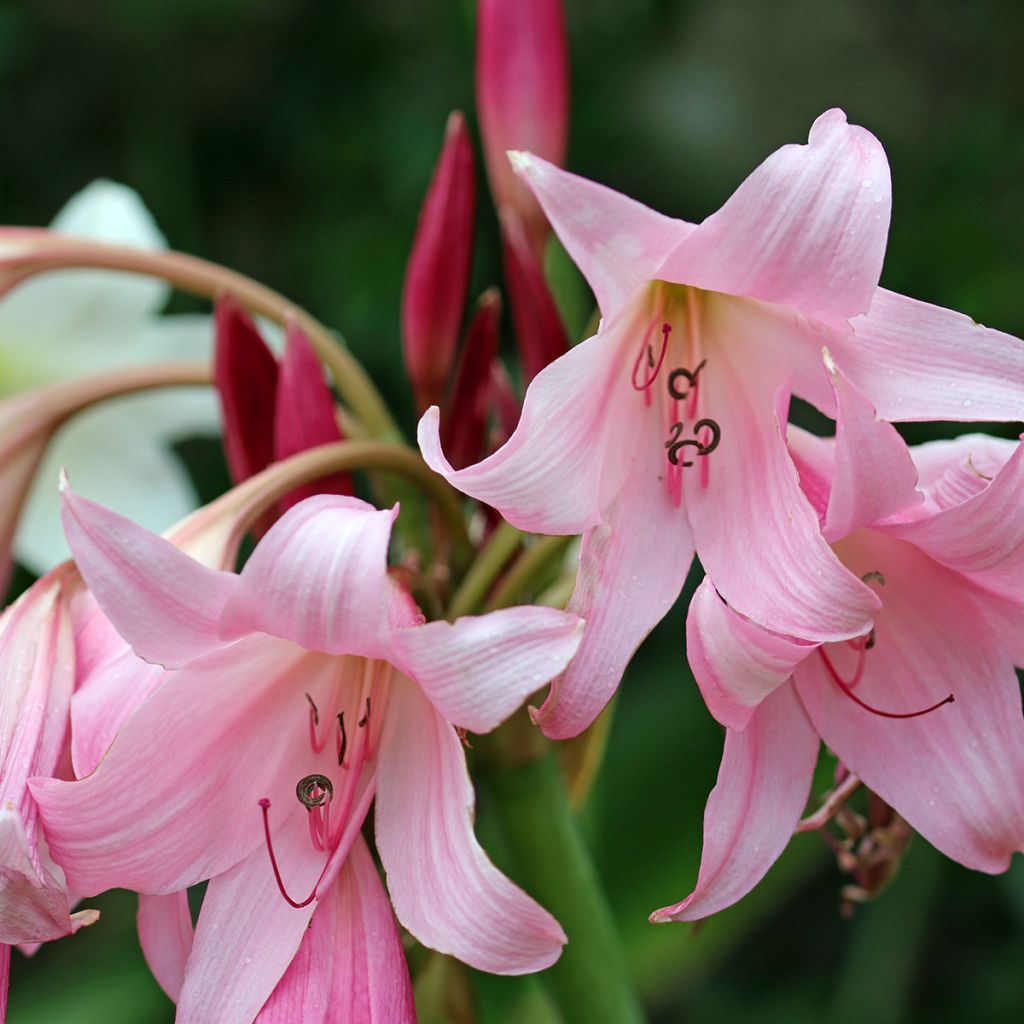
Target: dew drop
x=247, y=960
x=968, y=403
x=867, y=183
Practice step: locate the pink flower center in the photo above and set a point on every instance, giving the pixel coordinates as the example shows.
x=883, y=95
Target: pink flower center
x=677, y=400
x=361, y=692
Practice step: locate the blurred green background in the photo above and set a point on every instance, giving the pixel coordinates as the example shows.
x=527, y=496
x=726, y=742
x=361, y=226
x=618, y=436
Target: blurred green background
x=293, y=141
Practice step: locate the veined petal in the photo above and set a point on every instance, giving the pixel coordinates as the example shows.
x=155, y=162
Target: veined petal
x=757, y=535
x=569, y=454
x=165, y=934
x=443, y=887
x=34, y=906
x=176, y=799
x=762, y=788
x=874, y=475
x=957, y=773
x=165, y=604
x=983, y=536
x=631, y=570
x=319, y=578
x=247, y=934
x=952, y=471
x=350, y=966
x=916, y=361
x=736, y=663
x=479, y=669
x=806, y=229
x=617, y=243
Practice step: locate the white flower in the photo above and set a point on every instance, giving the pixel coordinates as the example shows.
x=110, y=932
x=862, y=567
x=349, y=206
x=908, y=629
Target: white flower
x=74, y=323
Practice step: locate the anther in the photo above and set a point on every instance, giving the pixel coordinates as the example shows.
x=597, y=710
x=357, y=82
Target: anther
x=316, y=713
x=691, y=377
x=313, y=790
x=362, y=721
x=342, y=738
x=873, y=577
x=847, y=688
x=703, y=448
x=653, y=368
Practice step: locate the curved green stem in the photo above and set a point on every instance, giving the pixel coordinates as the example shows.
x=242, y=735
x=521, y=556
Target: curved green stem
x=590, y=982
x=491, y=559
x=535, y=561
x=202, y=277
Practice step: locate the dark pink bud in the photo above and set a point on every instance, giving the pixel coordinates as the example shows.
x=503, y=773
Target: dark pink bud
x=505, y=404
x=305, y=415
x=245, y=372
x=465, y=416
x=540, y=333
x=522, y=91
x=437, y=276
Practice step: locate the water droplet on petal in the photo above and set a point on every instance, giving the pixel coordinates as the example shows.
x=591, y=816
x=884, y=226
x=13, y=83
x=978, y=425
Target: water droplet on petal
x=968, y=403
x=867, y=183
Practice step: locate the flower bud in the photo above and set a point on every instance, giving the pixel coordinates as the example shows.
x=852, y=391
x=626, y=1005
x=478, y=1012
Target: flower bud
x=522, y=89
x=437, y=276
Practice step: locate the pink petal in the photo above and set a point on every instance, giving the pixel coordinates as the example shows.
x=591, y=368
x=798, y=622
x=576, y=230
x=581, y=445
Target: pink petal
x=34, y=906
x=736, y=663
x=105, y=702
x=874, y=475
x=957, y=773
x=319, y=578
x=166, y=605
x=757, y=536
x=165, y=934
x=350, y=966
x=443, y=887
x=304, y=415
x=983, y=536
x=479, y=669
x=952, y=471
x=245, y=371
x=539, y=331
x=762, y=788
x=176, y=798
x=247, y=934
x=632, y=567
x=569, y=455
x=617, y=243
x=921, y=362
x=437, y=277
x=522, y=91
x=806, y=229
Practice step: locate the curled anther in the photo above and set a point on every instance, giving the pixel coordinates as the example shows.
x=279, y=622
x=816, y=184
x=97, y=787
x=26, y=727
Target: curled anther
x=689, y=375
x=366, y=717
x=316, y=713
x=674, y=445
x=873, y=577
x=313, y=790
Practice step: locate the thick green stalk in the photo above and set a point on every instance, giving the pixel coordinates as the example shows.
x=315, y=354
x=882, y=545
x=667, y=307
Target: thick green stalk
x=526, y=575
x=590, y=983
x=493, y=557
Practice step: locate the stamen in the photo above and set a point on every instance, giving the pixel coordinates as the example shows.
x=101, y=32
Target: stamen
x=362, y=721
x=264, y=804
x=313, y=790
x=655, y=369
x=674, y=445
x=691, y=377
x=847, y=688
x=342, y=738
x=314, y=721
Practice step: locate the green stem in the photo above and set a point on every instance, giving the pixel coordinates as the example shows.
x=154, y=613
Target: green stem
x=202, y=277
x=493, y=557
x=590, y=982
x=523, y=576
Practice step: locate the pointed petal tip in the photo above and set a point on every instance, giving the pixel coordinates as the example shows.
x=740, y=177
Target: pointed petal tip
x=522, y=161
x=64, y=484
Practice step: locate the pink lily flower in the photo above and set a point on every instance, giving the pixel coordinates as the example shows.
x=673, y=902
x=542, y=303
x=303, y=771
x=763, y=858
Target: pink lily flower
x=925, y=709
x=302, y=689
x=662, y=434
x=37, y=667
